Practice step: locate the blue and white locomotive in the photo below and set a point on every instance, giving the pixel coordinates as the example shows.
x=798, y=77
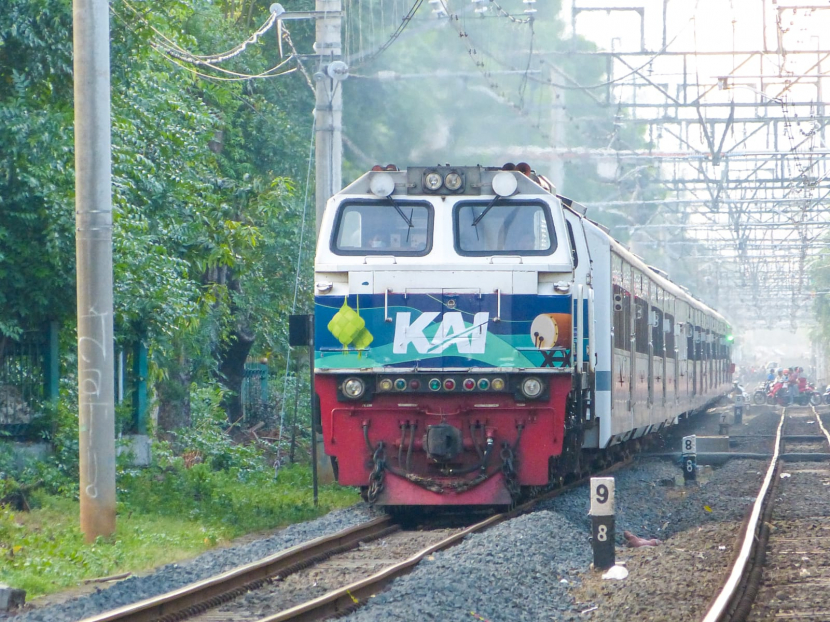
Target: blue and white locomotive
x=475, y=334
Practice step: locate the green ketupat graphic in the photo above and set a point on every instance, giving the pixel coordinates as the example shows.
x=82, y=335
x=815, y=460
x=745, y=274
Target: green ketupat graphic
x=363, y=339
x=349, y=328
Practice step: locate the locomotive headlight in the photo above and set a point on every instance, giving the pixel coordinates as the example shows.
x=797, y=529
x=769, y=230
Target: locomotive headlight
x=531, y=387
x=433, y=181
x=453, y=181
x=353, y=388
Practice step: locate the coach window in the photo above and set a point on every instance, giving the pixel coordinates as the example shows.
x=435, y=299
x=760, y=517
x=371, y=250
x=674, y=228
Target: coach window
x=690, y=339
x=698, y=337
x=507, y=228
x=621, y=303
x=668, y=327
x=373, y=228
x=657, y=331
x=641, y=326
x=622, y=318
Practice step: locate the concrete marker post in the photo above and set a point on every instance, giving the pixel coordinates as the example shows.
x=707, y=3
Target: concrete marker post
x=689, y=454
x=602, y=522
x=739, y=409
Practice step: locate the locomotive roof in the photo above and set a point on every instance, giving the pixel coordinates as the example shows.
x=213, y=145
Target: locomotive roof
x=479, y=181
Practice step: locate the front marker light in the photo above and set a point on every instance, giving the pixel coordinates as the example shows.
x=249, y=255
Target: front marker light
x=433, y=181
x=453, y=181
x=353, y=388
x=531, y=387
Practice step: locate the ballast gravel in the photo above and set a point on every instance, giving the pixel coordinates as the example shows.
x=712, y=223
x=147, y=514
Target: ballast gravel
x=518, y=571
x=173, y=576
x=537, y=567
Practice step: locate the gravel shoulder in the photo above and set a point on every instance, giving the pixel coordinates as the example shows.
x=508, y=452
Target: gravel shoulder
x=177, y=575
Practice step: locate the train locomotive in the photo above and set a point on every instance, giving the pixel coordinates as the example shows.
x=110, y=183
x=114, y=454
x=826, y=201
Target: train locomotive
x=476, y=336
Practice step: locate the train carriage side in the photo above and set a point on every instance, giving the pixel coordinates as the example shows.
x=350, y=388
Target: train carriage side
x=660, y=353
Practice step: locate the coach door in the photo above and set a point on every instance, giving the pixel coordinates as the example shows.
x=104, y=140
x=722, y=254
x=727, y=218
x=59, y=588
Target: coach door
x=659, y=347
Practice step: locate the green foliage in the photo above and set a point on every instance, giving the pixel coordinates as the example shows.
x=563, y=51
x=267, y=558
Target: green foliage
x=205, y=214
x=209, y=437
x=234, y=501
x=43, y=551
x=36, y=164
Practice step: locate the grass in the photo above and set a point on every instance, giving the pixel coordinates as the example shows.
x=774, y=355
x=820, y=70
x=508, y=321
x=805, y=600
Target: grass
x=163, y=516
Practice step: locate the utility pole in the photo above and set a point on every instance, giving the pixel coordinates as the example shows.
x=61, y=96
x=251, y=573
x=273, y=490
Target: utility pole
x=328, y=109
x=93, y=252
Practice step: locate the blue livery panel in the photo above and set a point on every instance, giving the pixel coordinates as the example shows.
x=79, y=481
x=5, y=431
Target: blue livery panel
x=433, y=331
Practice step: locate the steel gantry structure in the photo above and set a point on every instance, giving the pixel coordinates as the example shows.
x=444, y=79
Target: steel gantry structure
x=730, y=99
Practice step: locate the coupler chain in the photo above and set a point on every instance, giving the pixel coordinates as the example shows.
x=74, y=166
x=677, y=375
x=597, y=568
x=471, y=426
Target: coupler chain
x=511, y=480
x=378, y=473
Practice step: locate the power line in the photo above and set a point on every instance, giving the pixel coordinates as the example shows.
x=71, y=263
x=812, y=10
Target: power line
x=405, y=20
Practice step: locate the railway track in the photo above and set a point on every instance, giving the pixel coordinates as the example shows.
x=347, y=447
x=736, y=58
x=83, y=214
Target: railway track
x=780, y=571
x=205, y=601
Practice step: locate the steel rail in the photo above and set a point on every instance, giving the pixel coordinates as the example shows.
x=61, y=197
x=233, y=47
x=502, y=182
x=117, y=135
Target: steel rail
x=202, y=595
x=732, y=602
x=350, y=597
x=821, y=425
x=220, y=588
x=720, y=605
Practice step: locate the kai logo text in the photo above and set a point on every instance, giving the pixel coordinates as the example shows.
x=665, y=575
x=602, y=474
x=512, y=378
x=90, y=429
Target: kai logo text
x=451, y=331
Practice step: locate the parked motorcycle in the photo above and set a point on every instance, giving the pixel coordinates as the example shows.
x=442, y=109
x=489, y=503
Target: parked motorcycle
x=760, y=395
x=812, y=396
x=779, y=395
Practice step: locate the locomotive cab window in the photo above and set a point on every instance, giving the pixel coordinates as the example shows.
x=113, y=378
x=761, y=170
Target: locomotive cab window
x=375, y=228
x=503, y=228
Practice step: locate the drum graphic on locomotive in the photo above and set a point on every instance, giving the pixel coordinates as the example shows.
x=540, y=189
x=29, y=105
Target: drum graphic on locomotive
x=476, y=335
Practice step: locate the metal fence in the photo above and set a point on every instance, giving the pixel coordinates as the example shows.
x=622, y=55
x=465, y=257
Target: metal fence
x=28, y=376
x=256, y=396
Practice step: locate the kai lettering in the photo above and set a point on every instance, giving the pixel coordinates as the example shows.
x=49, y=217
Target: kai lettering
x=451, y=331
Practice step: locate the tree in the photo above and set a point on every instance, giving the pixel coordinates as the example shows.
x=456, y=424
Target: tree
x=204, y=216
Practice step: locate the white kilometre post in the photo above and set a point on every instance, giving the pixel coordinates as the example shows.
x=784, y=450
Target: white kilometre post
x=689, y=455
x=93, y=251
x=602, y=522
x=328, y=107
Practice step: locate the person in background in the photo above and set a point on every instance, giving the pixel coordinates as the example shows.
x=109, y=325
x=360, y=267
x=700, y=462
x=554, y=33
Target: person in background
x=794, y=378
x=802, y=380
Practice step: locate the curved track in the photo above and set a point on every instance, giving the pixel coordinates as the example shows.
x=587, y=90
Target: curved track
x=779, y=573
x=196, y=600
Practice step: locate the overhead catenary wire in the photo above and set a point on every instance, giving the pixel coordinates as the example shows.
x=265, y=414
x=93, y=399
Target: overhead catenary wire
x=361, y=58
x=212, y=59
x=177, y=55
x=296, y=288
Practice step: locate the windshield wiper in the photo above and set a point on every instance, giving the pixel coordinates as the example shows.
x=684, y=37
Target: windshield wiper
x=486, y=209
x=406, y=219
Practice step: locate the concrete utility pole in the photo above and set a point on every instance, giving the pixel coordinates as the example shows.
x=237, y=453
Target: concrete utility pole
x=93, y=251
x=329, y=104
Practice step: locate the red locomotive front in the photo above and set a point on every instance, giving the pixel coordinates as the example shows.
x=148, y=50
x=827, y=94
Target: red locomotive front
x=444, y=326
